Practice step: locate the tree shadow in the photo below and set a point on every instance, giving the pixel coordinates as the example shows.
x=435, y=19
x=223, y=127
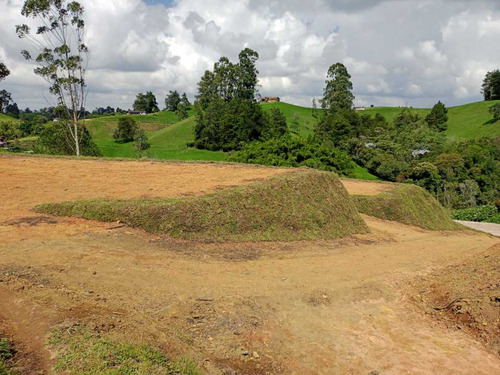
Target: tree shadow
x=490, y=122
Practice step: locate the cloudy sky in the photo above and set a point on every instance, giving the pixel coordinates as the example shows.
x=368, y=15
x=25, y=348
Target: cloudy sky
x=399, y=52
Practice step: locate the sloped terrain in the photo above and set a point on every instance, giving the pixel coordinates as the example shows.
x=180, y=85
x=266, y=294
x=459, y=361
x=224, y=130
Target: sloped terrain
x=296, y=206
x=344, y=306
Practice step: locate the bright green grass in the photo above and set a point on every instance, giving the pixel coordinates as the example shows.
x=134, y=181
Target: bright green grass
x=7, y=118
x=167, y=136
x=80, y=350
x=390, y=113
x=302, y=115
x=361, y=173
x=464, y=122
x=472, y=121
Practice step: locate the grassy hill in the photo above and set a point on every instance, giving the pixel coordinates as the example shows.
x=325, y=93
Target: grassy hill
x=464, y=122
x=7, y=118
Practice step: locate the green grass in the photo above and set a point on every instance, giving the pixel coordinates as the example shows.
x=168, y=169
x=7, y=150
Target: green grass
x=472, y=121
x=79, y=350
x=302, y=115
x=361, y=173
x=7, y=353
x=168, y=138
x=467, y=121
x=407, y=204
x=7, y=118
x=487, y=214
x=295, y=206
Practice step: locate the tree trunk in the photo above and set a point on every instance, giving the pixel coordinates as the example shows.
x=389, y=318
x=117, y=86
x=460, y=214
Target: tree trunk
x=77, y=140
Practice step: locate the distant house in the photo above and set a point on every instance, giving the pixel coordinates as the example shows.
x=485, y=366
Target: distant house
x=359, y=109
x=270, y=99
x=142, y=113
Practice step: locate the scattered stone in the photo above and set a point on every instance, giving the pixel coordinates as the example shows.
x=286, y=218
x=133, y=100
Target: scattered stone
x=255, y=355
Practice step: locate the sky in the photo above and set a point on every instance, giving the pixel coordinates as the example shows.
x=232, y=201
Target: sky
x=399, y=52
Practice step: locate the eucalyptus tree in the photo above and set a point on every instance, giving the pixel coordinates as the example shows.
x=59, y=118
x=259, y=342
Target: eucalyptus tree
x=61, y=55
x=4, y=72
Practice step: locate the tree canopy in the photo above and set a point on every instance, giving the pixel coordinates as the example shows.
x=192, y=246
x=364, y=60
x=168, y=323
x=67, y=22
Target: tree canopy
x=146, y=102
x=491, y=86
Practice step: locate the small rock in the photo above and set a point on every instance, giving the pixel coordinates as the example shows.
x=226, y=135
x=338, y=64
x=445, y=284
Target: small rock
x=255, y=355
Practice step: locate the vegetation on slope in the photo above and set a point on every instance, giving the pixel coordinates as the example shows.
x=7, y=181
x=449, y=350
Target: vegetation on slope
x=407, y=204
x=7, y=353
x=467, y=121
x=82, y=351
x=295, y=206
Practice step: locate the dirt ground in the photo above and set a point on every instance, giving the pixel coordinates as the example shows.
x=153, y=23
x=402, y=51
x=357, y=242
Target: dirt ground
x=353, y=306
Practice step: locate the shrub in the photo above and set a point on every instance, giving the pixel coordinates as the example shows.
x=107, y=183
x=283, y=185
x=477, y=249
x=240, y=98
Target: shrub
x=126, y=130
x=480, y=213
x=54, y=140
x=291, y=152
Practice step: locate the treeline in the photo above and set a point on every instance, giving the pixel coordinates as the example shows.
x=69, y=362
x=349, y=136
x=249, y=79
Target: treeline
x=411, y=149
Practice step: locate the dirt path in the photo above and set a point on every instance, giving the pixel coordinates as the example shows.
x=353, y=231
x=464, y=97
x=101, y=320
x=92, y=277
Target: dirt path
x=307, y=307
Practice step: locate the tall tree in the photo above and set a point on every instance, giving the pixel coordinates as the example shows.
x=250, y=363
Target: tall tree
x=337, y=95
x=185, y=100
x=247, y=74
x=438, y=117
x=146, y=102
x=172, y=101
x=4, y=72
x=491, y=86
x=61, y=54
x=5, y=99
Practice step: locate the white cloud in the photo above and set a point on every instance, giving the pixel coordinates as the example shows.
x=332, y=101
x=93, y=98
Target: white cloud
x=396, y=51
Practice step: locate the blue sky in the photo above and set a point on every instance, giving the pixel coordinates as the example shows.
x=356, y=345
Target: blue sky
x=166, y=3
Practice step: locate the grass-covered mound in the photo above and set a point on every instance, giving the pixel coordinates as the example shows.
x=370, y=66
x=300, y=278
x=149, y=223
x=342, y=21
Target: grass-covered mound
x=294, y=206
x=408, y=204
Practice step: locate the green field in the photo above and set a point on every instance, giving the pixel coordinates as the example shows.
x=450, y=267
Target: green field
x=169, y=137
x=7, y=118
x=464, y=122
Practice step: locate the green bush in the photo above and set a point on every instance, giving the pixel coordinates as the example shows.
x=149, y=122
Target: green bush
x=479, y=213
x=292, y=152
x=56, y=139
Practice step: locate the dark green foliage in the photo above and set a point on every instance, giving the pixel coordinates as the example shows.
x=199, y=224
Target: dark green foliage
x=126, y=130
x=495, y=111
x=146, y=102
x=409, y=205
x=10, y=131
x=182, y=111
x=172, y=101
x=294, y=206
x=12, y=110
x=5, y=99
x=4, y=72
x=293, y=152
x=437, y=119
x=337, y=95
x=227, y=114
x=228, y=125
x=491, y=86
x=140, y=141
x=278, y=126
x=53, y=141
x=479, y=214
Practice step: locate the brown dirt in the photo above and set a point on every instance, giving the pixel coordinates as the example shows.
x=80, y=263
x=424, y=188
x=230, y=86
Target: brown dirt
x=357, y=187
x=321, y=307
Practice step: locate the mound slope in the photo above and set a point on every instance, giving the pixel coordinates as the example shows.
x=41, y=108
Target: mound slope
x=408, y=204
x=295, y=206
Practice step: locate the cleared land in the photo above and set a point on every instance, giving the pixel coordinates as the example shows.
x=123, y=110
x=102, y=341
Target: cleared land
x=309, y=307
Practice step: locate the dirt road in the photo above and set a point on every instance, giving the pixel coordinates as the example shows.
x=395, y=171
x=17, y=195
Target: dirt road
x=490, y=228
x=324, y=307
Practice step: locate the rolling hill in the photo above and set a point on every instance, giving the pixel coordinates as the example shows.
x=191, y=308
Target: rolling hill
x=7, y=118
x=169, y=137
x=464, y=122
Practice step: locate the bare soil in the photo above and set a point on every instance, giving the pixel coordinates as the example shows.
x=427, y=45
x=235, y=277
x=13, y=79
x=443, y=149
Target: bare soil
x=351, y=306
